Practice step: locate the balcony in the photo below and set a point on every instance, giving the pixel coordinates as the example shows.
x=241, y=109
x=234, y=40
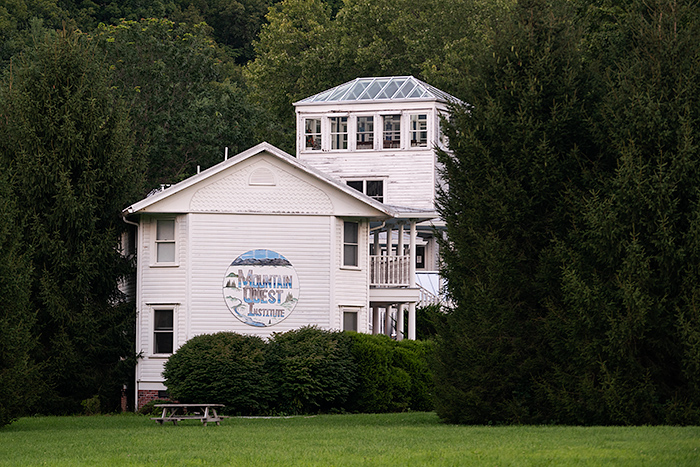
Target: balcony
x=390, y=271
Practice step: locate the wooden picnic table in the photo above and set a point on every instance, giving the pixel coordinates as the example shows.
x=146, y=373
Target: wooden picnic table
x=176, y=412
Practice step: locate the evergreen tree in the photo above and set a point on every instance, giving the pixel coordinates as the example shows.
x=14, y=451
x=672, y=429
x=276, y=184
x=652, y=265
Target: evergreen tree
x=19, y=384
x=626, y=334
x=516, y=156
x=68, y=147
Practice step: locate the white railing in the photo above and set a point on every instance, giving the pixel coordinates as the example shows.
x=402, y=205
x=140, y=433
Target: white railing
x=390, y=271
x=427, y=297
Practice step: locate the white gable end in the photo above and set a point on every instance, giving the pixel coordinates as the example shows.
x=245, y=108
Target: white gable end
x=261, y=187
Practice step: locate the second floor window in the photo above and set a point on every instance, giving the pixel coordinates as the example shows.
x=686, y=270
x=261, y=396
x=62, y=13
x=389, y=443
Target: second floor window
x=392, y=131
x=339, y=132
x=350, y=243
x=419, y=131
x=365, y=133
x=165, y=241
x=312, y=133
x=372, y=188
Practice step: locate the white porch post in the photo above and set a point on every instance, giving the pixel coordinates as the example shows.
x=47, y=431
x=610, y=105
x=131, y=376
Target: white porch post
x=399, y=248
x=412, y=283
x=399, y=321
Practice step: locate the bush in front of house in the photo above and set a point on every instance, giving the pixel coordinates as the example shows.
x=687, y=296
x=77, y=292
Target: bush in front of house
x=311, y=370
x=225, y=368
x=304, y=371
x=392, y=376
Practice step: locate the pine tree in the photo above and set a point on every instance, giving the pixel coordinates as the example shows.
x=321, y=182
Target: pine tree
x=515, y=153
x=19, y=382
x=628, y=328
x=69, y=150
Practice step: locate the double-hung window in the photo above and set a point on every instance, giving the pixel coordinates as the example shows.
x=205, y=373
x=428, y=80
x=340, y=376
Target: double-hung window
x=372, y=188
x=392, y=131
x=419, y=131
x=365, y=133
x=312, y=134
x=163, y=331
x=339, y=132
x=350, y=243
x=165, y=241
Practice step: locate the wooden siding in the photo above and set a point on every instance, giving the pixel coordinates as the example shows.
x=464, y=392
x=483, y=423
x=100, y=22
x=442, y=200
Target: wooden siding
x=409, y=176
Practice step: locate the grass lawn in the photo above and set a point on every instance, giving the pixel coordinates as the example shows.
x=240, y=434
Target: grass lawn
x=410, y=439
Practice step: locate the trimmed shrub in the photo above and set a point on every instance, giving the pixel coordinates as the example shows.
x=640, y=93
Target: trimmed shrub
x=392, y=376
x=311, y=370
x=226, y=368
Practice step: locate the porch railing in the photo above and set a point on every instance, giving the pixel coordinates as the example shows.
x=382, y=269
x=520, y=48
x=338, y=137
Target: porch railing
x=390, y=271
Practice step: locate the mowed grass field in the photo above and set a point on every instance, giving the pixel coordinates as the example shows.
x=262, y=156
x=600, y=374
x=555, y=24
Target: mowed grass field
x=409, y=439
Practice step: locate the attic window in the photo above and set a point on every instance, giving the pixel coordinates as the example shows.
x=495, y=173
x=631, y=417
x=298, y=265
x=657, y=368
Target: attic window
x=262, y=177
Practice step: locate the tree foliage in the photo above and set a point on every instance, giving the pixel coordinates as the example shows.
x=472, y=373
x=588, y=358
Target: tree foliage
x=19, y=382
x=185, y=106
x=68, y=149
x=305, y=49
x=571, y=220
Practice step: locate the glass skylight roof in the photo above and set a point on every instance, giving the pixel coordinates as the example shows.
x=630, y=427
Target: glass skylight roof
x=375, y=89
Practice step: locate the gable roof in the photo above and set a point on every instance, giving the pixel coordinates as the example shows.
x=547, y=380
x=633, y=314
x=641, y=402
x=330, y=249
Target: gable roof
x=391, y=88
x=384, y=210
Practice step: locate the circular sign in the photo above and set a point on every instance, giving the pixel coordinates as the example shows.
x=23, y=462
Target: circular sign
x=261, y=288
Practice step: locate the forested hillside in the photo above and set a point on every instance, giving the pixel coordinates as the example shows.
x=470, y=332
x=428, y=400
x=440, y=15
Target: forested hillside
x=573, y=241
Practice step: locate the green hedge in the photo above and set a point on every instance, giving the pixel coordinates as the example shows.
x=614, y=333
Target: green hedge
x=392, y=376
x=226, y=368
x=311, y=370
x=308, y=370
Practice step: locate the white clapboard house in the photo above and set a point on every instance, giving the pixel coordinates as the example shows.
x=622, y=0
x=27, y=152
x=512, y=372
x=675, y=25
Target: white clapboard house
x=340, y=236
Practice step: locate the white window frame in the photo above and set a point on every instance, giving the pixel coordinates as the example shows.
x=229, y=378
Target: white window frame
x=364, y=182
x=315, y=147
x=355, y=244
x=373, y=133
x=334, y=124
x=412, y=119
x=395, y=143
x=153, y=331
x=163, y=241
x=350, y=310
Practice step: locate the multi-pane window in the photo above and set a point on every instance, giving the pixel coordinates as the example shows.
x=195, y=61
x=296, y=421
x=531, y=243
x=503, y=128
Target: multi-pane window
x=419, y=131
x=350, y=243
x=312, y=133
x=165, y=241
x=365, y=133
x=163, y=331
x=339, y=132
x=372, y=188
x=392, y=131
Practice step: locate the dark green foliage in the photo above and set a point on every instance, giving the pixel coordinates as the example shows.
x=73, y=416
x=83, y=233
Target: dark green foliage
x=516, y=154
x=308, y=370
x=392, y=376
x=572, y=221
x=223, y=368
x=150, y=408
x=311, y=370
x=628, y=344
x=68, y=150
x=19, y=381
x=428, y=319
x=185, y=105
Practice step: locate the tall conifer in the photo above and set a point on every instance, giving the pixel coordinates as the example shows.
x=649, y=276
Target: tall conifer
x=69, y=150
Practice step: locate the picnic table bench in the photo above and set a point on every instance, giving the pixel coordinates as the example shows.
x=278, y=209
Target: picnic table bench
x=176, y=412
